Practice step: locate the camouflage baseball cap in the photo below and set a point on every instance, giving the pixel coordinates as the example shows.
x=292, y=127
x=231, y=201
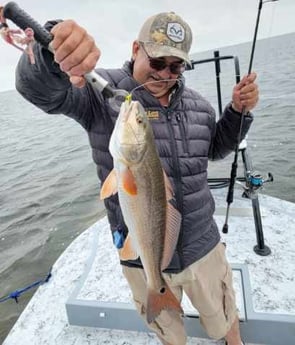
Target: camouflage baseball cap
x=166, y=34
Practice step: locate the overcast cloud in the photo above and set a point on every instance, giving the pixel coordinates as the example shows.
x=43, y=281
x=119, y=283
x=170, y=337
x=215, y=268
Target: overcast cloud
x=114, y=24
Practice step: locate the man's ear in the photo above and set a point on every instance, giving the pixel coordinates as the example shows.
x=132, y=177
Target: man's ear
x=135, y=48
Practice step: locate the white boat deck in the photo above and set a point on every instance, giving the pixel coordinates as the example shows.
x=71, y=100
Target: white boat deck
x=272, y=277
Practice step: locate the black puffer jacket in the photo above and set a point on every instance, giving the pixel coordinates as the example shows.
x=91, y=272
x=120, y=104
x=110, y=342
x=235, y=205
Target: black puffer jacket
x=186, y=135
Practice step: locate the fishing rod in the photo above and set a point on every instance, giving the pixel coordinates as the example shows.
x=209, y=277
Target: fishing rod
x=24, y=21
x=251, y=179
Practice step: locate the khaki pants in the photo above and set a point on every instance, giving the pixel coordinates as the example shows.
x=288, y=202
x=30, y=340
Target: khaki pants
x=207, y=283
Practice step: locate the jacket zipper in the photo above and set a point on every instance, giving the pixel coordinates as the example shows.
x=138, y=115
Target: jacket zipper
x=182, y=132
x=178, y=191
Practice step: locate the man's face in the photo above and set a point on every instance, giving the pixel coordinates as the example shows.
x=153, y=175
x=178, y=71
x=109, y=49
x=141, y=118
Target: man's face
x=158, y=83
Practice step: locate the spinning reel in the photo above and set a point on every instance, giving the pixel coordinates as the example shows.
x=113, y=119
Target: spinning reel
x=254, y=182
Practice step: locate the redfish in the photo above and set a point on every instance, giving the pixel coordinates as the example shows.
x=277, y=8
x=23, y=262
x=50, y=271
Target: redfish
x=144, y=192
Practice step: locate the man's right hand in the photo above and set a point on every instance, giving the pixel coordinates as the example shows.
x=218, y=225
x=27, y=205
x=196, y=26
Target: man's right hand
x=74, y=50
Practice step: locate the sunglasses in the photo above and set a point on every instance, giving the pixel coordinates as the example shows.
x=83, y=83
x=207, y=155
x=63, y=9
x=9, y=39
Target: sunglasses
x=159, y=64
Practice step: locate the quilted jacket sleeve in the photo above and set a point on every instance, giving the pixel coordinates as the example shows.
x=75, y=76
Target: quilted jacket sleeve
x=225, y=133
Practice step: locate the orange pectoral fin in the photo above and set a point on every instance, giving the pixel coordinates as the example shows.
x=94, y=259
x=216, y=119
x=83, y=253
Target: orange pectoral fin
x=128, y=252
x=110, y=186
x=128, y=180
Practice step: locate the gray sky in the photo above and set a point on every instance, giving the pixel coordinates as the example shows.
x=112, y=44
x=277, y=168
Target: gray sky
x=114, y=24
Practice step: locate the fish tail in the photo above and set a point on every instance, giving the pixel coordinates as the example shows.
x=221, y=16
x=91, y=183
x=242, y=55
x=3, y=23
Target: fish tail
x=158, y=301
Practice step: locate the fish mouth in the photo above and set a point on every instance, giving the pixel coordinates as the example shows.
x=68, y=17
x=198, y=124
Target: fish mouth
x=131, y=140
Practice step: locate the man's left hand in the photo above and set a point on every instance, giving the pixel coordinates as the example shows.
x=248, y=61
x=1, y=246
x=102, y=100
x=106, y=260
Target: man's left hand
x=245, y=94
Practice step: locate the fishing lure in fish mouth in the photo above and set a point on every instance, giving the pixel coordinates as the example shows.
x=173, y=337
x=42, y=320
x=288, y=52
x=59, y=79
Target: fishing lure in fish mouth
x=128, y=98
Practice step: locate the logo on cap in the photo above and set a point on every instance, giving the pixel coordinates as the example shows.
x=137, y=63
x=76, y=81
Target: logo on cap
x=175, y=32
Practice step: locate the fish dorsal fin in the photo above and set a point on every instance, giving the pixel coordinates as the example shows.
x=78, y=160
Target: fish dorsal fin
x=128, y=252
x=110, y=186
x=173, y=223
x=128, y=181
x=168, y=187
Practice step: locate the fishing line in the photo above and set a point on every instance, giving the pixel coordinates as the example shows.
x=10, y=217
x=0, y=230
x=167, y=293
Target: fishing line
x=151, y=82
x=272, y=19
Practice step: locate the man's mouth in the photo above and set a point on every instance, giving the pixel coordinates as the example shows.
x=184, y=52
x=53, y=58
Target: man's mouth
x=158, y=80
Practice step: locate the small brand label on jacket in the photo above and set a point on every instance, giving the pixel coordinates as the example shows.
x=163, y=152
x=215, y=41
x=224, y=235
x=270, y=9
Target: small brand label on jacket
x=153, y=114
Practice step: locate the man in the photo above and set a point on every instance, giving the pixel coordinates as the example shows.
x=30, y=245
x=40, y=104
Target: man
x=186, y=135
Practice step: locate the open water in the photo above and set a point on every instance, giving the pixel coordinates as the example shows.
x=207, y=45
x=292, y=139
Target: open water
x=49, y=192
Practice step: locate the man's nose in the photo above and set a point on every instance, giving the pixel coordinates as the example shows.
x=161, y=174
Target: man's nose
x=165, y=73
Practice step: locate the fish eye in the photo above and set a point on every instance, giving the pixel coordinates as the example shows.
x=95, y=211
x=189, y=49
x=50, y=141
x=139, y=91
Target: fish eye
x=139, y=118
